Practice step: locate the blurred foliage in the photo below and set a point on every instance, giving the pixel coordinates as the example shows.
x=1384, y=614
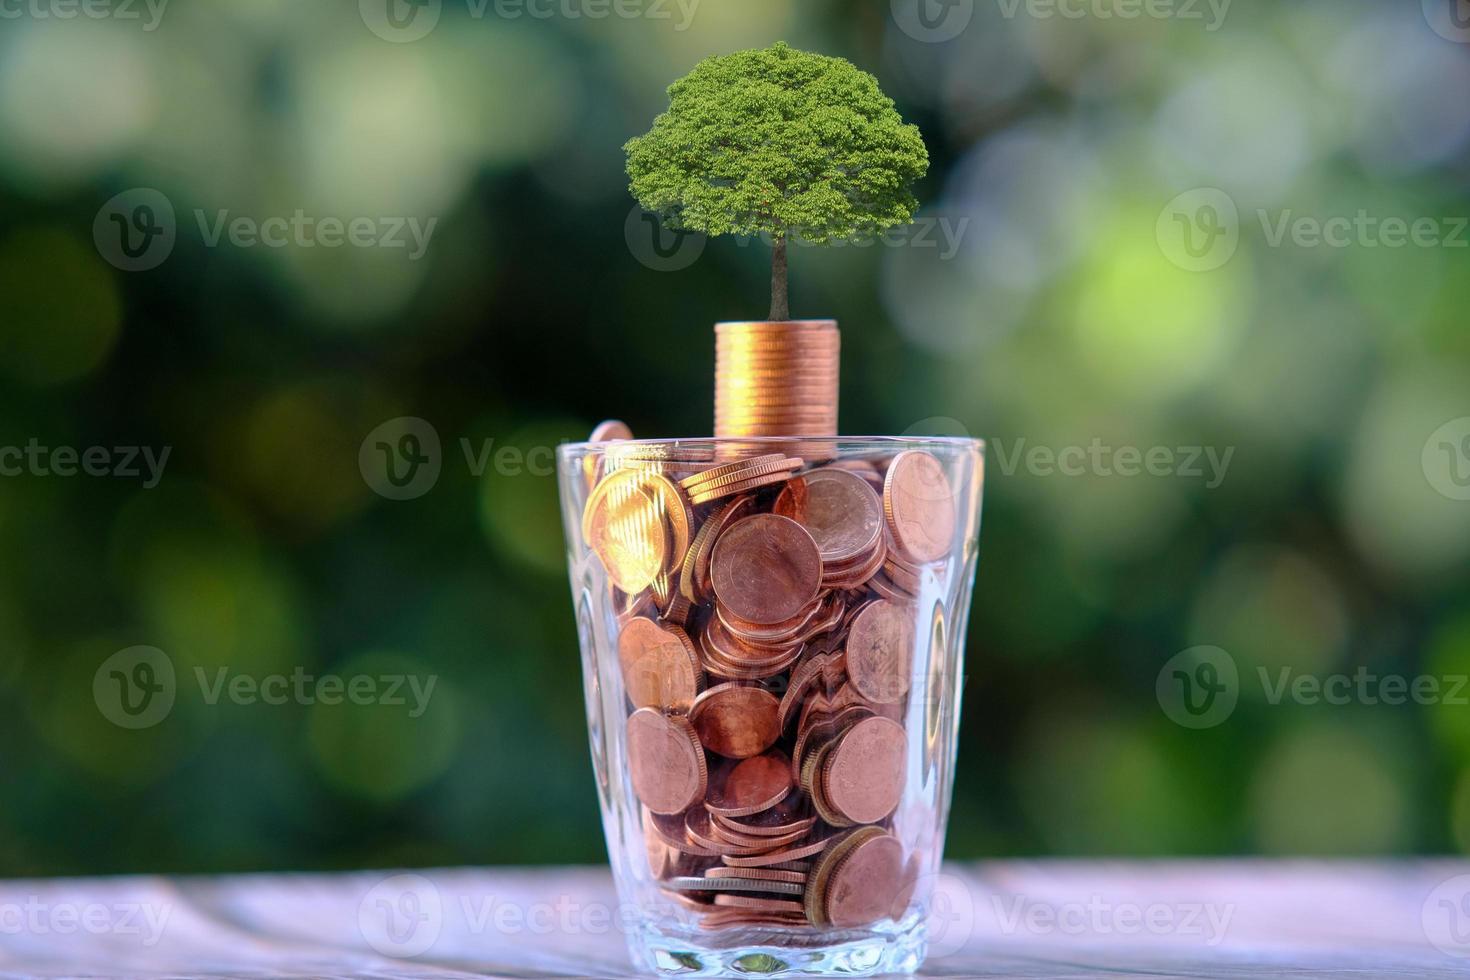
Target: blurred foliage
x=1045, y=310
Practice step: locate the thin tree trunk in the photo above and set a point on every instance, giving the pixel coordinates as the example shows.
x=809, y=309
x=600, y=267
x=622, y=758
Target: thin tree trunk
x=780, y=310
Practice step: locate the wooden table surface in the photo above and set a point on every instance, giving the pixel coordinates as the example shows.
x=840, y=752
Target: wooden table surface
x=1239, y=918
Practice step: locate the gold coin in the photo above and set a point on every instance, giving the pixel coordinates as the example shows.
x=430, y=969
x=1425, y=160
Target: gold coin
x=622, y=525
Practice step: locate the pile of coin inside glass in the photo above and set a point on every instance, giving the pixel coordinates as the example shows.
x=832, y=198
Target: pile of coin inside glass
x=766, y=641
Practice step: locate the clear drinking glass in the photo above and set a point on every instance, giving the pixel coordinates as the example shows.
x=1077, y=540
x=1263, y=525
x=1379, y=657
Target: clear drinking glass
x=925, y=591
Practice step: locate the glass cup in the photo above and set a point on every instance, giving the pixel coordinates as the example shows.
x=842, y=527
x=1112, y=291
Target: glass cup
x=772, y=636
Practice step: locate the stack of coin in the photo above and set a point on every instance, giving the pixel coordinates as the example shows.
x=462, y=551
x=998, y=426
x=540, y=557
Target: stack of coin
x=769, y=700
x=776, y=378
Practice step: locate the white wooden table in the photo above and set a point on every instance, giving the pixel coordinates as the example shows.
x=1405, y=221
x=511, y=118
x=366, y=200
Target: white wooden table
x=1239, y=918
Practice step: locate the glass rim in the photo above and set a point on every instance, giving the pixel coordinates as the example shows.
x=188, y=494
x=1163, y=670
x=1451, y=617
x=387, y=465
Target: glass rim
x=949, y=443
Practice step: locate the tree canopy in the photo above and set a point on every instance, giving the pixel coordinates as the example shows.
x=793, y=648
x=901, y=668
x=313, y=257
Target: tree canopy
x=779, y=141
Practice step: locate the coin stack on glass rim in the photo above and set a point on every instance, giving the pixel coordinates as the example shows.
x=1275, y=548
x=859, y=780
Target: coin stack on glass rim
x=766, y=630
x=776, y=378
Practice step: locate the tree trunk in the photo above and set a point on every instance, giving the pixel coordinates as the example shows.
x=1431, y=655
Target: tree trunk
x=780, y=310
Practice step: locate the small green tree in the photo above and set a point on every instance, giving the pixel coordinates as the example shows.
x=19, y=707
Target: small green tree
x=781, y=142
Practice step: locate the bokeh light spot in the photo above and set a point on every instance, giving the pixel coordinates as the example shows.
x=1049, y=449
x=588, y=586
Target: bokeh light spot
x=61, y=310
x=382, y=750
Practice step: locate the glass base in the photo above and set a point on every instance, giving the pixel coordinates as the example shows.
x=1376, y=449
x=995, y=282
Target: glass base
x=754, y=952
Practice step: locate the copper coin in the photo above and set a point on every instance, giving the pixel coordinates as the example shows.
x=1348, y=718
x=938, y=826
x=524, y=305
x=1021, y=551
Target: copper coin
x=744, y=486
x=863, y=770
x=857, y=576
x=660, y=665
x=908, y=883
x=749, y=786
x=880, y=650
x=753, y=843
x=675, y=513
x=803, y=679
x=670, y=829
x=746, y=921
x=700, y=829
x=792, y=815
x=736, y=720
x=901, y=577
x=665, y=760
x=661, y=857
x=746, y=472
x=865, y=883
x=676, y=609
x=722, y=665
x=758, y=874
x=622, y=524
x=694, y=575
x=919, y=506
x=766, y=569
x=726, y=470
x=784, y=632
x=843, y=514
x=799, y=852
x=811, y=773
x=884, y=586
x=610, y=430
x=758, y=904
x=814, y=900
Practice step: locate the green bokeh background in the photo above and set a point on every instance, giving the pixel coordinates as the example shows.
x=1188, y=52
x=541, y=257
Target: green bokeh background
x=1055, y=315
